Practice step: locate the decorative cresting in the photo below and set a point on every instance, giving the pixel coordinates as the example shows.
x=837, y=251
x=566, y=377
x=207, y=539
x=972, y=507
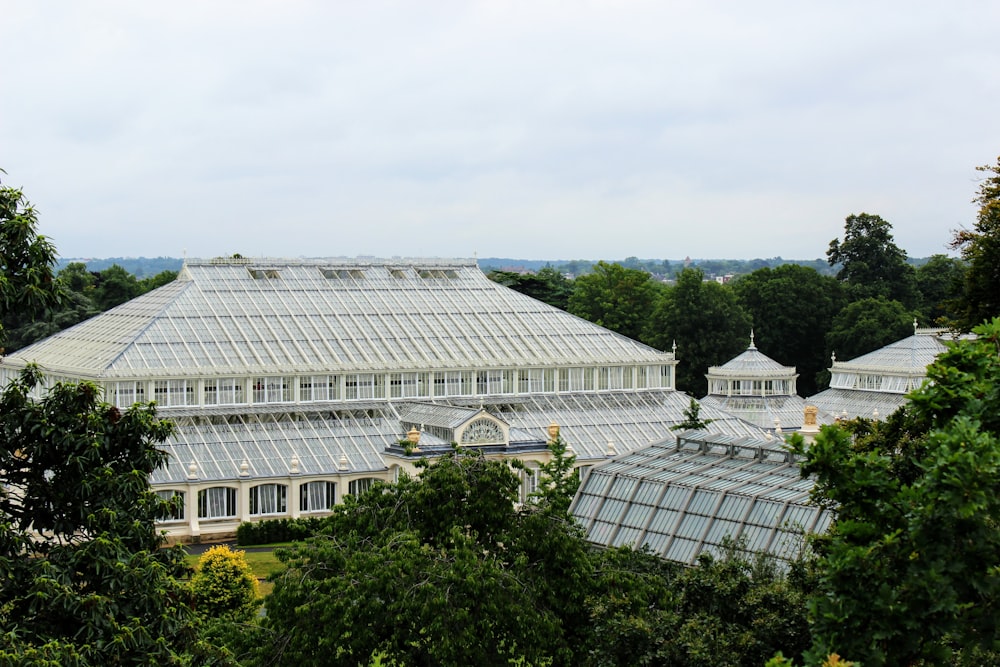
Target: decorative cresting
x=482, y=431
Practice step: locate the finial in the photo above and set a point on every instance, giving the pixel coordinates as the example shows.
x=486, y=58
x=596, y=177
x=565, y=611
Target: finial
x=343, y=462
x=193, y=470
x=777, y=426
x=611, y=447
x=833, y=357
x=675, y=347
x=914, y=326
x=244, y=468
x=553, y=431
x=753, y=345
x=293, y=465
x=875, y=414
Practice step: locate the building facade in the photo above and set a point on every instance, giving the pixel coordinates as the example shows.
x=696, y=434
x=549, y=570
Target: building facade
x=294, y=382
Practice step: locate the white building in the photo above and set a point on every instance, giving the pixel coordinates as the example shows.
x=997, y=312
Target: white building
x=292, y=382
x=758, y=390
x=876, y=384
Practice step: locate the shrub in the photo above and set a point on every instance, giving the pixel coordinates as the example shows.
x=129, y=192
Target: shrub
x=224, y=586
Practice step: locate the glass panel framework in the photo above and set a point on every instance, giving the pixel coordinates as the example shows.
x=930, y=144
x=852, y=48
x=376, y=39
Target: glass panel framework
x=686, y=498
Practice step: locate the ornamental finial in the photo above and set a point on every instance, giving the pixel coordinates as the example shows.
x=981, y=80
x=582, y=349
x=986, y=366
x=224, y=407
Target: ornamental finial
x=753, y=344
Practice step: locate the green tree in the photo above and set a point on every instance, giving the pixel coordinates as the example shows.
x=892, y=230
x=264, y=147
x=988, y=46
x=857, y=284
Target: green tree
x=908, y=571
x=159, y=280
x=734, y=609
x=940, y=281
x=439, y=569
x=614, y=297
x=866, y=325
x=85, y=581
x=547, y=285
x=27, y=261
x=980, y=248
x=792, y=308
x=871, y=264
x=557, y=478
x=115, y=286
x=707, y=323
x=224, y=585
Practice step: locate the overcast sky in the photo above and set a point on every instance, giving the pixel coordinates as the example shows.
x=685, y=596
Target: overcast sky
x=536, y=129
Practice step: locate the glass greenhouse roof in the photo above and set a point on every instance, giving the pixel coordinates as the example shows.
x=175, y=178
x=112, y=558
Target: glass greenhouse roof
x=318, y=439
x=686, y=497
x=238, y=316
x=751, y=363
x=910, y=355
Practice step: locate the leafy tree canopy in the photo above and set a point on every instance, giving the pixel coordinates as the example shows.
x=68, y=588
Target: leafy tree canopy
x=85, y=580
x=871, y=264
x=908, y=571
x=707, y=323
x=866, y=325
x=614, y=297
x=980, y=248
x=439, y=569
x=26, y=261
x=792, y=308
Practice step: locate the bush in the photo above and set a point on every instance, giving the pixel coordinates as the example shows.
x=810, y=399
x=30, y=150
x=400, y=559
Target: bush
x=224, y=586
x=277, y=530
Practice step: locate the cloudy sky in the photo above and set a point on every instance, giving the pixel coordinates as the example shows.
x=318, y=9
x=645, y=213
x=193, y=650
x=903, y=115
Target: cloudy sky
x=534, y=129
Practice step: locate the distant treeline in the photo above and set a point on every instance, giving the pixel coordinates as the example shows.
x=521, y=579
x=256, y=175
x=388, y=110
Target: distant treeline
x=145, y=267
x=140, y=267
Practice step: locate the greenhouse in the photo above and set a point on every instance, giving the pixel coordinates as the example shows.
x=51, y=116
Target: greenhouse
x=758, y=390
x=293, y=382
x=876, y=384
x=691, y=495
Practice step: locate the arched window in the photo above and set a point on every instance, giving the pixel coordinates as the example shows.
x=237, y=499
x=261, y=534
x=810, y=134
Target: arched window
x=483, y=432
x=317, y=496
x=218, y=502
x=176, y=499
x=268, y=499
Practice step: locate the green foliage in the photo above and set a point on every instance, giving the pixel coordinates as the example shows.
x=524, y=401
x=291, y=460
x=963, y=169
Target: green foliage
x=270, y=531
x=440, y=569
x=547, y=284
x=224, y=585
x=707, y=323
x=940, y=281
x=85, y=581
x=732, y=610
x=558, y=480
x=980, y=248
x=866, y=325
x=871, y=264
x=614, y=297
x=692, y=419
x=792, y=308
x=908, y=571
x=27, y=260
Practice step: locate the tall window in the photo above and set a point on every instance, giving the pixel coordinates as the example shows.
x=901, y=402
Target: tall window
x=173, y=392
x=268, y=499
x=319, y=388
x=218, y=502
x=358, y=486
x=317, y=496
x=272, y=390
x=176, y=499
x=124, y=394
x=223, y=391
